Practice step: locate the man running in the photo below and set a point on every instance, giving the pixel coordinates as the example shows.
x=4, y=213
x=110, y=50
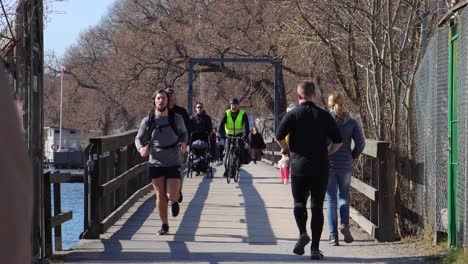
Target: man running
x=162, y=136
x=308, y=127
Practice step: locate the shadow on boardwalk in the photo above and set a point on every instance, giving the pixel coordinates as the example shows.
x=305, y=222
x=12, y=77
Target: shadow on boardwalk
x=248, y=222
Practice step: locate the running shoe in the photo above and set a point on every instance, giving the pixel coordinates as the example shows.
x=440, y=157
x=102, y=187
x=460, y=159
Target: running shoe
x=164, y=229
x=316, y=254
x=175, y=209
x=181, y=197
x=304, y=239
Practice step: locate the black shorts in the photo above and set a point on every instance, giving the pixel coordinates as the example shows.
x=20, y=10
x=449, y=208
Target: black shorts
x=168, y=172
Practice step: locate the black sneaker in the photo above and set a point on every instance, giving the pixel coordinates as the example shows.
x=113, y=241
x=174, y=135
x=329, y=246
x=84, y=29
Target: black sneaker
x=316, y=254
x=181, y=197
x=164, y=229
x=334, y=240
x=175, y=209
x=304, y=239
x=348, y=238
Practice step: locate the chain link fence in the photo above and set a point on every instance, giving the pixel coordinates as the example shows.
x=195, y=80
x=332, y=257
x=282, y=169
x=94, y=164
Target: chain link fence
x=430, y=103
x=430, y=115
x=462, y=210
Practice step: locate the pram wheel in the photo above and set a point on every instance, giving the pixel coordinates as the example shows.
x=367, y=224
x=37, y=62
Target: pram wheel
x=189, y=169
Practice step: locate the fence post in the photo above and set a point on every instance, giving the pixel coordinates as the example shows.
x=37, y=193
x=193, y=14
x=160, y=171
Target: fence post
x=47, y=216
x=386, y=186
x=57, y=211
x=374, y=205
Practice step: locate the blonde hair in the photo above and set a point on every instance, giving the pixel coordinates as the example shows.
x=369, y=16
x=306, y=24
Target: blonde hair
x=337, y=104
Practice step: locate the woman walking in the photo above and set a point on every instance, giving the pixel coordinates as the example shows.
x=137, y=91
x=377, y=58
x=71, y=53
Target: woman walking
x=341, y=167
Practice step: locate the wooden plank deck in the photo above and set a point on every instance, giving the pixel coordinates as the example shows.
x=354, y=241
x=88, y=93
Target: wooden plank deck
x=249, y=222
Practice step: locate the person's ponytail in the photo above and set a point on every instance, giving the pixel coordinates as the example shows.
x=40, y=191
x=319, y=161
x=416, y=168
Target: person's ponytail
x=339, y=110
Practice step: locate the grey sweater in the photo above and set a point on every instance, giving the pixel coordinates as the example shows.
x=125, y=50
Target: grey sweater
x=162, y=137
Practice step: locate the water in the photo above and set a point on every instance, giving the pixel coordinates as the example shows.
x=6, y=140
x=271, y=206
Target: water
x=72, y=195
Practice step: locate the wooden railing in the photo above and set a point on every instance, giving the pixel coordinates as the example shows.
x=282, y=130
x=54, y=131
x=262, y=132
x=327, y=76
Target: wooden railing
x=59, y=217
x=380, y=191
x=115, y=178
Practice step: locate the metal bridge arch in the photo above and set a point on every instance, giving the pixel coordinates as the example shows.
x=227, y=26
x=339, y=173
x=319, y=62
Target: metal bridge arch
x=276, y=64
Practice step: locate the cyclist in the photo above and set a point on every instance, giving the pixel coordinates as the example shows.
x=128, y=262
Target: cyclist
x=234, y=123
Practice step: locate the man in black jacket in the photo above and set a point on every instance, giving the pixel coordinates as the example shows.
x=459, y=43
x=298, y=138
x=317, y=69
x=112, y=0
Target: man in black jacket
x=201, y=121
x=181, y=111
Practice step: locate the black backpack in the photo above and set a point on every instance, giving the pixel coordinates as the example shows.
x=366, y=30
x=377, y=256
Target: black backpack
x=152, y=126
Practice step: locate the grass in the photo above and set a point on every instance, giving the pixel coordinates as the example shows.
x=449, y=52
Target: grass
x=426, y=243
x=440, y=251
x=458, y=256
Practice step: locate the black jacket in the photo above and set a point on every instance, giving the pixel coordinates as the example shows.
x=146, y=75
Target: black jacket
x=181, y=111
x=308, y=127
x=201, y=122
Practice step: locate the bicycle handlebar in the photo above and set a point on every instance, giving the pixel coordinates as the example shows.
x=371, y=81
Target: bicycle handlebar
x=235, y=137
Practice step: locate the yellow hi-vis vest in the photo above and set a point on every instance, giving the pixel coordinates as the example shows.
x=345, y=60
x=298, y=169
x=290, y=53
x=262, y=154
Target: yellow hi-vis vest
x=234, y=128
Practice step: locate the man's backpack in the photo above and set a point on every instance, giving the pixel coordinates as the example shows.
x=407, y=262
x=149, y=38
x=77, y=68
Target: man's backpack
x=152, y=126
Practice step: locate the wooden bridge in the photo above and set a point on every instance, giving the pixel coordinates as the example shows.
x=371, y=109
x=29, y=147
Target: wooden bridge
x=248, y=222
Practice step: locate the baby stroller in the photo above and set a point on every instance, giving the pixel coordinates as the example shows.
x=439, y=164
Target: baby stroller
x=199, y=159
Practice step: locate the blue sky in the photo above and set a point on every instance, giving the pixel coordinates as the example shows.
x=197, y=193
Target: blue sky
x=69, y=19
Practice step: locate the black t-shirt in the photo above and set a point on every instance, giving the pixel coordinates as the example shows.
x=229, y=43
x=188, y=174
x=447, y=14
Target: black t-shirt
x=309, y=127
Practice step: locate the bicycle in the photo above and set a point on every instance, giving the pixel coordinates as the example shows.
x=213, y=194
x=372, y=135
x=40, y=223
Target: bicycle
x=232, y=157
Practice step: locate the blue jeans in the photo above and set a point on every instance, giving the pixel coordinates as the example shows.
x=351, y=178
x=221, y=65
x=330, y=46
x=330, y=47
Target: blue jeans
x=338, y=190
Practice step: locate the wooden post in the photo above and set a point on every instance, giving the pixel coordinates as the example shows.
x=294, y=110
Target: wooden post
x=57, y=211
x=374, y=206
x=386, y=201
x=47, y=216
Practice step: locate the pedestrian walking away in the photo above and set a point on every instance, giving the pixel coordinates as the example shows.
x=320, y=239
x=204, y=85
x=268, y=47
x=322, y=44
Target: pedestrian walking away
x=172, y=105
x=163, y=137
x=341, y=169
x=256, y=144
x=308, y=127
x=213, y=145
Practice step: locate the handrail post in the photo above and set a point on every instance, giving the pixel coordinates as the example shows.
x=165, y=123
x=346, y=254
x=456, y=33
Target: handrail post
x=93, y=188
x=386, y=186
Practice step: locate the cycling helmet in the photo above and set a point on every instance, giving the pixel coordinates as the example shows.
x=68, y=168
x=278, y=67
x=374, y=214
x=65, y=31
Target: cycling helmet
x=234, y=101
